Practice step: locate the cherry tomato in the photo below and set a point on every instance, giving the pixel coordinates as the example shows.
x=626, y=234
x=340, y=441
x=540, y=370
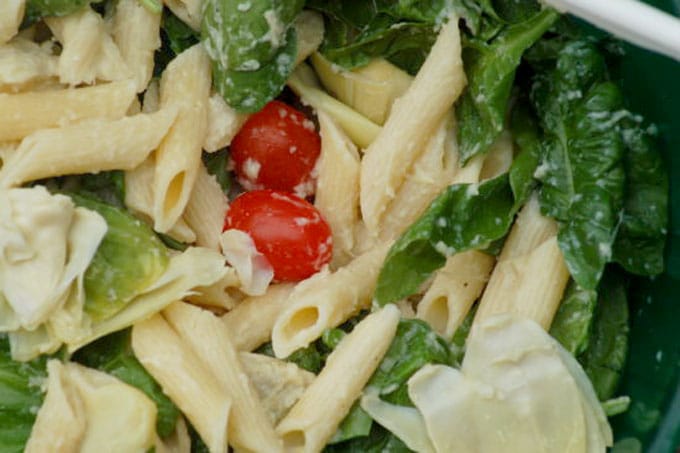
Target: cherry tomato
x=286, y=229
x=276, y=148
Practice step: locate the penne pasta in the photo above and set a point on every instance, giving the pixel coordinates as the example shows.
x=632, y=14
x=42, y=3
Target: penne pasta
x=11, y=15
x=185, y=379
x=326, y=300
x=498, y=158
x=24, y=113
x=315, y=417
x=337, y=188
x=136, y=32
x=223, y=124
x=79, y=148
x=189, y=11
x=24, y=64
x=251, y=322
x=206, y=209
x=185, y=85
x=249, y=426
x=412, y=121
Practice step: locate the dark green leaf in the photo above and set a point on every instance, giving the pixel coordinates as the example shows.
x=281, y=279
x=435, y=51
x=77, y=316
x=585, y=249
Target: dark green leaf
x=642, y=234
x=605, y=356
x=414, y=345
x=45, y=8
x=197, y=444
x=379, y=440
x=108, y=186
x=490, y=68
x=571, y=325
x=356, y=424
x=21, y=396
x=463, y=217
x=178, y=34
x=582, y=169
x=457, y=345
x=252, y=49
x=525, y=133
x=216, y=164
x=113, y=355
x=129, y=259
x=309, y=358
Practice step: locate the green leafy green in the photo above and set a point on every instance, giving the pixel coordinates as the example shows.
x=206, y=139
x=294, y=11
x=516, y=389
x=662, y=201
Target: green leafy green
x=463, y=217
x=308, y=358
x=642, y=234
x=582, y=170
x=356, y=424
x=379, y=440
x=128, y=260
x=45, y=8
x=113, y=355
x=526, y=136
x=457, y=345
x=252, y=47
x=21, y=396
x=616, y=406
x=605, y=356
x=108, y=186
x=490, y=68
x=179, y=35
x=571, y=325
x=216, y=164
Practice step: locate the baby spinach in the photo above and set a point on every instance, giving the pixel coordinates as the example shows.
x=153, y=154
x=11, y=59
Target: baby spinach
x=463, y=217
x=113, y=355
x=252, y=47
x=45, y=8
x=572, y=322
x=582, y=169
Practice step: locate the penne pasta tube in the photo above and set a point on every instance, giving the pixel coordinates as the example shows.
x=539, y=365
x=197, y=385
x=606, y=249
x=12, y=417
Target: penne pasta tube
x=11, y=15
x=185, y=379
x=24, y=63
x=249, y=426
x=251, y=322
x=531, y=274
x=498, y=157
x=136, y=32
x=454, y=289
x=206, y=209
x=79, y=148
x=185, y=85
x=337, y=188
x=223, y=123
x=326, y=300
x=24, y=113
x=316, y=416
x=189, y=11
x=413, y=119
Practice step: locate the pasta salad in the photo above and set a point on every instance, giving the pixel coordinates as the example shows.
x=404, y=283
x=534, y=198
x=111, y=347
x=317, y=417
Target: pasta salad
x=316, y=226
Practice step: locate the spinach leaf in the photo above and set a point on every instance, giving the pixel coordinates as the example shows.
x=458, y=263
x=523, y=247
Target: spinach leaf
x=605, y=356
x=571, y=325
x=107, y=186
x=490, y=68
x=309, y=358
x=113, y=355
x=216, y=164
x=641, y=237
x=45, y=8
x=526, y=136
x=179, y=35
x=252, y=47
x=379, y=440
x=582, y=169
x=21, y=396
x=128, y=260
x=463, y=217
x=457, y=345
x=356, y=424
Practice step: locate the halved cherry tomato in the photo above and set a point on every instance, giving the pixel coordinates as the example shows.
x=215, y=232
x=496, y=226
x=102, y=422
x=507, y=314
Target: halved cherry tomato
x=286, y=229
x=276, y=148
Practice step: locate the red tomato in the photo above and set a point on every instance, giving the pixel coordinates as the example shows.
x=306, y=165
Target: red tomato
x=286, y=229
x=276, y=148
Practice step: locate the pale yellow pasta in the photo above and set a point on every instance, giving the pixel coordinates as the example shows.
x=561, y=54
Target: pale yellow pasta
x=222, y=294
x=251, y=322
x=326, y=300
x=87, y=147
x=187, y=10
x=360, y=129
x=531, y=274
x=88, y=51
x=249, y=427
x=177, y=442
x=204, y=213
x=136, y=32
x=24, y=63
x=139, y=199
x=185, y=379
x=371, y=90
x=311, y=423
x=223, y=123
x=152, y=98
x=11, y=14
x=279, y=383
x=24, y=113
x=185, y=85
x=413, y=119
x=454, y=289
x=498, y=157
x=337, y=188
x=430, y=174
